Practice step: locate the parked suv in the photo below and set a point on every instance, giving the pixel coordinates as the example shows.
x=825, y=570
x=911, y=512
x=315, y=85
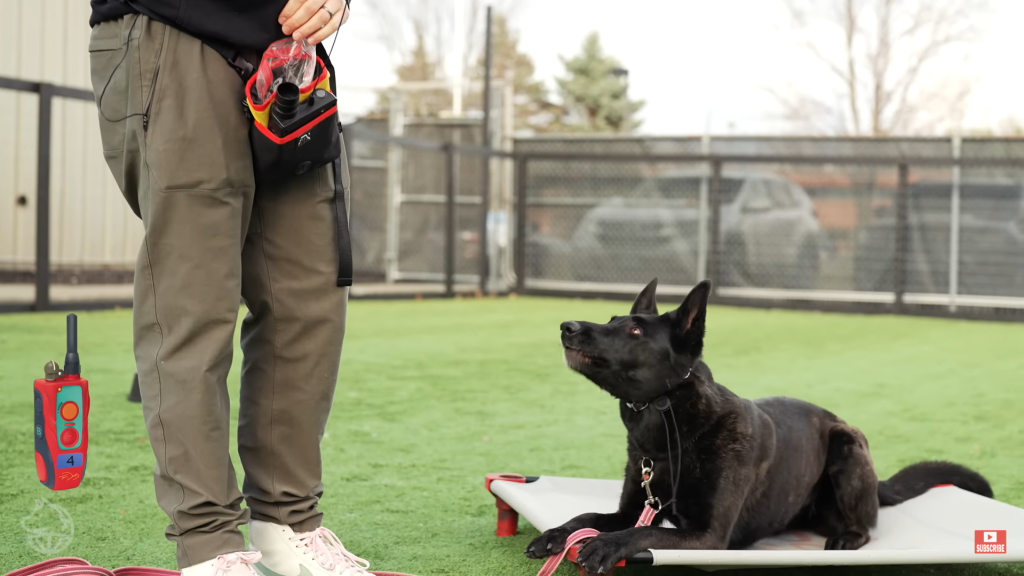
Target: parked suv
x=991, y=240
x=769, y=232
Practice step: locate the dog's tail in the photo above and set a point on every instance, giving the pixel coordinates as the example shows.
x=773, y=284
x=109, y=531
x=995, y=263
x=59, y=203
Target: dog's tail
x=917, y=479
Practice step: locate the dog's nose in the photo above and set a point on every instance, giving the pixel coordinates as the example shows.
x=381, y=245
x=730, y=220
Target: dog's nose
x=570, y=328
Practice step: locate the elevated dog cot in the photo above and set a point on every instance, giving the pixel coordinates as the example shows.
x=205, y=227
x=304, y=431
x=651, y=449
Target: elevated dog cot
x=943, y=526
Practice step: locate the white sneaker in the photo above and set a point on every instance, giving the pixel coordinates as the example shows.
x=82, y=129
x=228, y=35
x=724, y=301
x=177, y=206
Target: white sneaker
x=234, y=564
x=314, y=553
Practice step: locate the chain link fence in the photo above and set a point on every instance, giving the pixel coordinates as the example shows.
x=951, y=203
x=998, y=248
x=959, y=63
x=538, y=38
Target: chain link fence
x=933, y=225
x=872, y=224
x=399, y=201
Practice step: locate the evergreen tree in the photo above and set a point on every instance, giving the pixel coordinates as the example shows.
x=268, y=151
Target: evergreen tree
x=595, y=97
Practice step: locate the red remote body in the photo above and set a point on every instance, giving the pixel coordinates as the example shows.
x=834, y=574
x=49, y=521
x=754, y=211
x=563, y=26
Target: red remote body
x=61, y=410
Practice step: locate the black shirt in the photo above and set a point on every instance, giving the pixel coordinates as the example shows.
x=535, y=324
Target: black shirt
x=243, y=24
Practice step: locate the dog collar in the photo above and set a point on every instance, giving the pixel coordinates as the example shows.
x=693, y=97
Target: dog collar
x=662, y=403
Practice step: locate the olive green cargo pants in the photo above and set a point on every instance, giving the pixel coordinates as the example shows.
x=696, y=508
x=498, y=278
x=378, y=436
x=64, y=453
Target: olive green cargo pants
x=176, y=141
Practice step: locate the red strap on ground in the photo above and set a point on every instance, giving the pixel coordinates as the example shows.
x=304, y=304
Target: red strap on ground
x=79, y=567
x=140, y=571
x=62, y=567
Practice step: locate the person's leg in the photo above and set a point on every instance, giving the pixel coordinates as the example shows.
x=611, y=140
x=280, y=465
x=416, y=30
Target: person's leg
x=187, y=172
x=291, y=342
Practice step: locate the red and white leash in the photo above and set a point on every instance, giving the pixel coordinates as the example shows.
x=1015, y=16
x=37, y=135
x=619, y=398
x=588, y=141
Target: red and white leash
x=79, y=567
x=646, y=517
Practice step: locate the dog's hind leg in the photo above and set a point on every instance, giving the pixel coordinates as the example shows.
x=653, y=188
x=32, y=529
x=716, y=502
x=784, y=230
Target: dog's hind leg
x=846, y=513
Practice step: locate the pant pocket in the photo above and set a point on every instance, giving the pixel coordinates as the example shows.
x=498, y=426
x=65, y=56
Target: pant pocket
x=109, y=68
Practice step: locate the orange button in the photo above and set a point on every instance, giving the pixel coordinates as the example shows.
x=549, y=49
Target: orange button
x=69, y=437
x=69, y=410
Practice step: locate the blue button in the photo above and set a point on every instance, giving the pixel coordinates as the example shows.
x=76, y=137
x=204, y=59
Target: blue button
x=72, y=460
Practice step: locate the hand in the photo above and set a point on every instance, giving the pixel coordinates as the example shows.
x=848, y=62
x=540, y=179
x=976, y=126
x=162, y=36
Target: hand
x=308, y=19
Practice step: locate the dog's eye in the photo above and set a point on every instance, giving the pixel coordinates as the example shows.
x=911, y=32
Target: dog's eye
x=636, y=331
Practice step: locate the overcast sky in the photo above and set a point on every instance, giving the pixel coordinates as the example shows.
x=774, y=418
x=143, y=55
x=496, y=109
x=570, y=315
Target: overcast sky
x=697, y=63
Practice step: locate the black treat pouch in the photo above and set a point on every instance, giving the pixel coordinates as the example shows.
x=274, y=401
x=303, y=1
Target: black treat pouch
x=308, y=138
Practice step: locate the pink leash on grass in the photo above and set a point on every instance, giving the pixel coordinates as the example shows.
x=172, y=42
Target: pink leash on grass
x=646, y=517
x=79, y=567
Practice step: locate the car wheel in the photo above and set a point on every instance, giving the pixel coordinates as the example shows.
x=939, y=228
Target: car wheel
x=734, y=263
x=806, y=269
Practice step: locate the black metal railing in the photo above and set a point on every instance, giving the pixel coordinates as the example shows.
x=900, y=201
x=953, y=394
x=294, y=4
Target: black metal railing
x=47, y=93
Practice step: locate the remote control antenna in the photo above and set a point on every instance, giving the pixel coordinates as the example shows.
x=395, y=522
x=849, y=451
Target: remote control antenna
x=72, y=365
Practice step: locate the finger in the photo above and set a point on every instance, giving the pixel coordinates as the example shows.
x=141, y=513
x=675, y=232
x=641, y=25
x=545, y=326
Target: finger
x=344, y=12
x=332, y=27
x=302, y=16
x=289, y=10
x=325, y=32
x=336, y=22
x=318, y=23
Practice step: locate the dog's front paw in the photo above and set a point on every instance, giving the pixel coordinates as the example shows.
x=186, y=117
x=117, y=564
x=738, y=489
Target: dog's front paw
x=848, y=541
x=547, y=544
x=603, y=552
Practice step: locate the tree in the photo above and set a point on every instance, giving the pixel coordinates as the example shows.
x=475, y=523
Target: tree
x=420, y=38
x=417, y=66
x=421, y=58
x=533, y=110
x=594, y=93
x=404, y=26
x=894, y=66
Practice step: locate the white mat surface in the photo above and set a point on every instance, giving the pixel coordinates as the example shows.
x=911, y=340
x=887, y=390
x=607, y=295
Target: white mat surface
x=935, y=528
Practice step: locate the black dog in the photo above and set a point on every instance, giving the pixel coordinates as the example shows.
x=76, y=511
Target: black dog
x=727, y=471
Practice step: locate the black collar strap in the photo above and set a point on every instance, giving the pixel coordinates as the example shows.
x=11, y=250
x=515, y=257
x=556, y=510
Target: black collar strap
x=662, y=403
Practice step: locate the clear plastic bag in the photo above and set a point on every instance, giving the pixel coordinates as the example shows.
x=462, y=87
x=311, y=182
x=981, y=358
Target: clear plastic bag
x=284, y=61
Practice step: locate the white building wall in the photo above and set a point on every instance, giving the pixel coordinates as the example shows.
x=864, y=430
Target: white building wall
x=91, y=224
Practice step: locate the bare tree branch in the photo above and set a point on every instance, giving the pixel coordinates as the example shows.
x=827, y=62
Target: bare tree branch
x=397, y=22
x=850, y=33
x=887, y=61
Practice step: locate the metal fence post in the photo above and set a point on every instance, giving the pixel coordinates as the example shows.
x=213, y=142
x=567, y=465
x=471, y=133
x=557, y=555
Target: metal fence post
x=954, y=228
x=702, y=222
x=396, y=172
x=43, y=198
x=485, y=194
x=521, y=215
x=449, y=220
x=900, y=255
x=714, y=265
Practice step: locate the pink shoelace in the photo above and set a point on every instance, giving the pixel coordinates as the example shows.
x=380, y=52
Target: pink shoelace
x=329, y=552
x=225, y=562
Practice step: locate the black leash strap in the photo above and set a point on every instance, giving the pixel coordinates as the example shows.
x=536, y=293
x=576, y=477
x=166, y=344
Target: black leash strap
x=340, y=212
x=341, y=225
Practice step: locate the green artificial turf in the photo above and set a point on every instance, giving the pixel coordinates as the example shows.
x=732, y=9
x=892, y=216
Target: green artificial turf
x=434, y=394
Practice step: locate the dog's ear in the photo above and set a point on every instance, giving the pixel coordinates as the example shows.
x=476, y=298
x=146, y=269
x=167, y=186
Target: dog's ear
x=646, y=302
x=688, y=321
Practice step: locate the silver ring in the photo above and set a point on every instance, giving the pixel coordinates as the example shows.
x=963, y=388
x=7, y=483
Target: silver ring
x=325, y=8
